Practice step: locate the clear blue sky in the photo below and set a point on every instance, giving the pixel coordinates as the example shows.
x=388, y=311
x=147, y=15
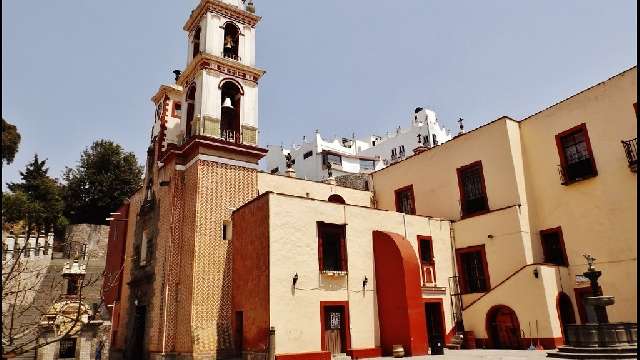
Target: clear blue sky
x=75, y=71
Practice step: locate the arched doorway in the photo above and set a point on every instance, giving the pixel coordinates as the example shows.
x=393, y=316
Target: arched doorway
x=565, y=312
x=503, y=328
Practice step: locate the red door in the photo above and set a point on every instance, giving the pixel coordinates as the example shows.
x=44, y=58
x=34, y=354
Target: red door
x=504, y=328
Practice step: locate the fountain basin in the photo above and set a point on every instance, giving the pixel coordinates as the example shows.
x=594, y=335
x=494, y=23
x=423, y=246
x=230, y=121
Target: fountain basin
x=601, y=335
x=600, y=300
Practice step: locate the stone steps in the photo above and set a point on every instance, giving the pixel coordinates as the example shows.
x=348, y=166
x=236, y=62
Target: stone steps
x=456, y=342
x=618, y=352
x=340, y=357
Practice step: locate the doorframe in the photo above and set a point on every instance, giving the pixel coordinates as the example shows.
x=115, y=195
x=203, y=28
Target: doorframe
x=490, y=335
x=443, y=322
x=347, y=323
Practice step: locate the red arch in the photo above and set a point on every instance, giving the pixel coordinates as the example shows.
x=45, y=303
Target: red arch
x=236, y=82
x=400, y=308
x=493, y=341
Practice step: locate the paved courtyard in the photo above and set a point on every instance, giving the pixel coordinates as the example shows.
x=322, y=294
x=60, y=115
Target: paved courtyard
x=483, y=354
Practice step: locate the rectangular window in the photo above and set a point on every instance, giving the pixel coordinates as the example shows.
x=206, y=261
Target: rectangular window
x=427, y=261
x=435, y=140
x=226, y=230
x=367, y=165
x=332, y=250
x=307, y=155
x=473, y=269
x=394, y=154
x=67, y=348
x=576, y=157
x=177, y=110
x=553, y=247
x=473, y=194
x=405, y=201
x=332, y=159
x=401, y=151
x=275, y=170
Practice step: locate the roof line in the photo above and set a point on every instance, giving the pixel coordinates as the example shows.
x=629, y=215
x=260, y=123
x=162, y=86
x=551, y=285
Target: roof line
x=578, y=93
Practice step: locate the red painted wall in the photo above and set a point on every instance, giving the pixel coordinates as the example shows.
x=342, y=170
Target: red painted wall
x=250, y=274
x=400, y=307
x=112, y=281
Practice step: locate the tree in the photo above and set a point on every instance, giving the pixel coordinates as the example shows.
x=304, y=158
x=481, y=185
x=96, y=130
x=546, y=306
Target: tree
x=36, y=201
x=10, y=142
x=105, y=176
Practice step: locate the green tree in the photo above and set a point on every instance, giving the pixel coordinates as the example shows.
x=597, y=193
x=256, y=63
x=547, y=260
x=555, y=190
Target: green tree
x=10, y=142
x=105, y=176
x=36, y=200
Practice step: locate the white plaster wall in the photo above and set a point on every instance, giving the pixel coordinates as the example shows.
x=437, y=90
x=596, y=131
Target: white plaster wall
x=295, y=314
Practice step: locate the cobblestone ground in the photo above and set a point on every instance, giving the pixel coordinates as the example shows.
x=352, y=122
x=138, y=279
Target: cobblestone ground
x=483, y=354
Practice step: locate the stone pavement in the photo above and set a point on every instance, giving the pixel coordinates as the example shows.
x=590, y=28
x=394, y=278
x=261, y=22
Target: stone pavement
x=482, y=354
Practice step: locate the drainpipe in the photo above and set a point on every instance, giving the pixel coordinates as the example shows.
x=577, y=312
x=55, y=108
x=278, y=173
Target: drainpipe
x=272, y=344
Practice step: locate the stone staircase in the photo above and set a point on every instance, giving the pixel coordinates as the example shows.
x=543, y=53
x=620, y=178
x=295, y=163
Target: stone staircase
x=614, y=352
x=456, y=342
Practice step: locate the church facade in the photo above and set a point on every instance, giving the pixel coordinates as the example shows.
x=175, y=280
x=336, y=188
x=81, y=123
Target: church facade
x=221, y=260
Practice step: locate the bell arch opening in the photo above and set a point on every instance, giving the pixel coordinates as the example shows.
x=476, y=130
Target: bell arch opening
x=231, y=41
x=230, y=98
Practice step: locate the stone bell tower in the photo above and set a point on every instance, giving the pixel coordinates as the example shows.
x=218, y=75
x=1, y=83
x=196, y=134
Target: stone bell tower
x=211, y=170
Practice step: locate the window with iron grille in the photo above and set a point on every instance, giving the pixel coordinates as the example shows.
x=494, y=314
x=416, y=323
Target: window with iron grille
x=405, y=201
x=472, y=269
x=576, y=157
x=473, y=196
x=553, y=247
x=67, y=348
x=275, y=170
x=307, y=154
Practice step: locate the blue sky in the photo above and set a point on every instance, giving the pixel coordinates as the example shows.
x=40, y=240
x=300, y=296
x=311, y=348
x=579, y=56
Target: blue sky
x=74, y=71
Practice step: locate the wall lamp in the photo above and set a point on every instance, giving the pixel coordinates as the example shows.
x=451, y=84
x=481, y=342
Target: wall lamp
x=164, y=183
x=295, y=279
x=535, y=272
x=365, y=282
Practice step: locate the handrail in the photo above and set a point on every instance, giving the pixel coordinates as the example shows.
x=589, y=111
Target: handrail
x=505, y=280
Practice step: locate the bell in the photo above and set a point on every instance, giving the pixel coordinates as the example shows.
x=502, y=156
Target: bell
x=227, y=103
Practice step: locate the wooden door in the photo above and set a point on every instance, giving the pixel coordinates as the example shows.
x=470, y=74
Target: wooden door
x=435, y=324
x=505, y=328
x=334, y=329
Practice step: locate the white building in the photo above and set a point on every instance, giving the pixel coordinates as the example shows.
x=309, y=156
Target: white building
x=352, y=156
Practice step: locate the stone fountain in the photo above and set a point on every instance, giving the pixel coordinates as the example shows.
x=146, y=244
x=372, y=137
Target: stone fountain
x=600, y=339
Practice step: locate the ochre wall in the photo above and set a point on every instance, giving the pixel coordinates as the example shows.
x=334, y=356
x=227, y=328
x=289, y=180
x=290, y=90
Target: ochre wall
x=435, y=180
x=250, y=243
x=294, y=249
x=311, y=189
x=598, y=215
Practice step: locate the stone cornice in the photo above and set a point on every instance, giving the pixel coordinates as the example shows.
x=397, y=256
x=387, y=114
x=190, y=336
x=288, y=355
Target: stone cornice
x=219, y=7
x=224, y=66
x=166, y=89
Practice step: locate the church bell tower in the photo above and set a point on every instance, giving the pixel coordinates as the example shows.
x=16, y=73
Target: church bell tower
x=220, y=81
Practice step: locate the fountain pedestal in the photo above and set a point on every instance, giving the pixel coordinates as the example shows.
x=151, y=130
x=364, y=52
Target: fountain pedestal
x=600, y=339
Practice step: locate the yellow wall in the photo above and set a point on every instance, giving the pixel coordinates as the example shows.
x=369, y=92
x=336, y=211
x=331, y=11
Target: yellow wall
x=598, y=215
x=294, y=249
x=311, y=189
x=435, y=180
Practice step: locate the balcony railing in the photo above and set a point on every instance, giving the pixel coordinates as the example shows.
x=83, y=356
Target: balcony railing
x=231, y=136
x=576, y=171
x=230, y=55
x=631, y=150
